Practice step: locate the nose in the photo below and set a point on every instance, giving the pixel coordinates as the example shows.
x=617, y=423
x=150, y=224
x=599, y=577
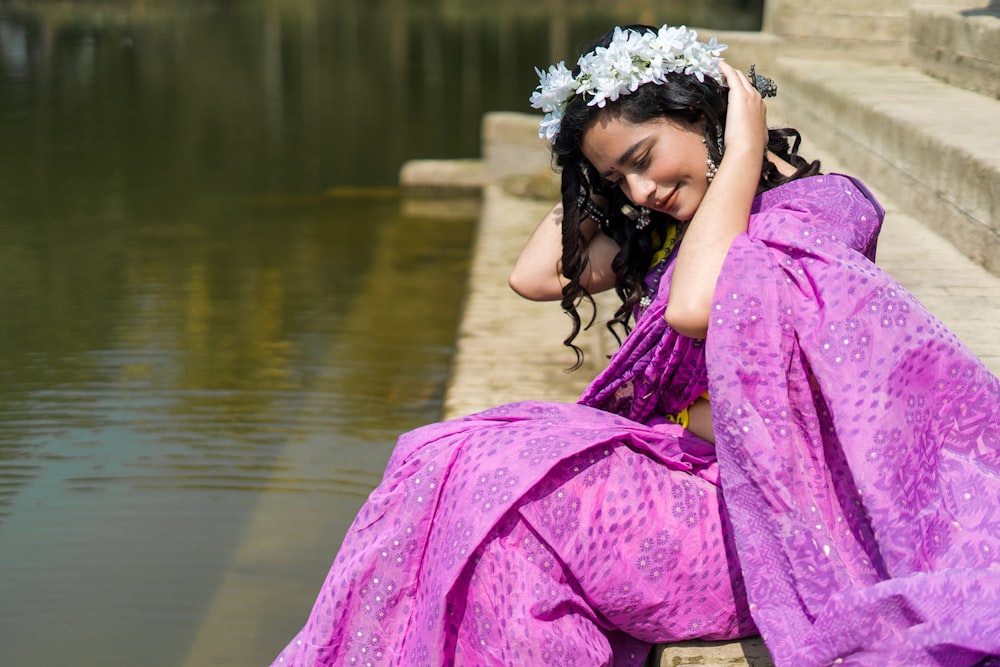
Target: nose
x=638, y=188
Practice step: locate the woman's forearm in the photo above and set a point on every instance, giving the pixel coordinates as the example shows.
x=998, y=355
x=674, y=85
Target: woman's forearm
x=724, y=210
x=721, y=217
x=537, y=273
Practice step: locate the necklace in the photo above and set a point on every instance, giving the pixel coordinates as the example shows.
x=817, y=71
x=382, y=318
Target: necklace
x=658, y=265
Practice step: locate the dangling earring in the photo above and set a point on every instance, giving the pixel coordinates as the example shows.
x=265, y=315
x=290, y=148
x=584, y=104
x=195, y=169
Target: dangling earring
x=643, y=220
x=712, y=167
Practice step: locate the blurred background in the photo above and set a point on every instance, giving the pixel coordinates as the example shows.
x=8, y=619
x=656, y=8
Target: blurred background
x=215, y=315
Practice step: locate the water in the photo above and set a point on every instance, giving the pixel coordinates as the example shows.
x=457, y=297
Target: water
x=215, y=313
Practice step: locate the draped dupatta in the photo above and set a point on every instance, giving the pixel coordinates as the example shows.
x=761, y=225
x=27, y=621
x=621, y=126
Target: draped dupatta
x=858, y=445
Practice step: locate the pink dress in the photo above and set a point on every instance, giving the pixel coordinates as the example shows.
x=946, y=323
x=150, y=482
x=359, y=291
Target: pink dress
x=854, y=486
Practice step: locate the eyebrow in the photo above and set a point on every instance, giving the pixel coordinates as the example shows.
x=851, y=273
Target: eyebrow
x=627, y=155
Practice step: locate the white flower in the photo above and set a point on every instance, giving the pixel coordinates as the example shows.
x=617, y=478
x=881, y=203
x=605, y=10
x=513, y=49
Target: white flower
x=630, y=60
x=555, y=88
x=549, y=127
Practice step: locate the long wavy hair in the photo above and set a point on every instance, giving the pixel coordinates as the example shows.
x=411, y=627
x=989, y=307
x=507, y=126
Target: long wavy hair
x=682, y=99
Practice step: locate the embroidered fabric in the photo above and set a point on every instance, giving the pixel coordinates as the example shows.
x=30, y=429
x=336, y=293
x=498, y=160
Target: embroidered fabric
x=854, y=486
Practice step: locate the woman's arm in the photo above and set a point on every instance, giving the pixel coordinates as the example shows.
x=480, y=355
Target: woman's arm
x=724, y=211
x=537, y=273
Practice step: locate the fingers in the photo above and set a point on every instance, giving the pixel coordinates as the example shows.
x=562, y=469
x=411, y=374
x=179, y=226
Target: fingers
x=734, y=78
x=741, y=90
x=746, y=115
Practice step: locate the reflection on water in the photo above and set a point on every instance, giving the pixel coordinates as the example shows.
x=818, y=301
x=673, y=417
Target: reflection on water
x=152, y=395
x=214, y=318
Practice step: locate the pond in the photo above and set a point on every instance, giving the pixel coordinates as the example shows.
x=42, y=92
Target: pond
x=216, y=315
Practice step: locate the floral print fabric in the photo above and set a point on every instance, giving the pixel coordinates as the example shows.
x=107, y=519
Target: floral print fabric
x=533, y=533
x=854, y=432
x=859, y=449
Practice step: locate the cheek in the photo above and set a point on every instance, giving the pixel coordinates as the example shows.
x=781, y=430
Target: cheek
x=626, y=190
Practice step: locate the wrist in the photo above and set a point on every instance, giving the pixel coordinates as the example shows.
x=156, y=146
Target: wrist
x=740, y=152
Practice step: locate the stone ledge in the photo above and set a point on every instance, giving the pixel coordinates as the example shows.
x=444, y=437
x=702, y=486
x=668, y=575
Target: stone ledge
x=511, y=145
x=961, y=47
x=749, y=652
x=443, y=178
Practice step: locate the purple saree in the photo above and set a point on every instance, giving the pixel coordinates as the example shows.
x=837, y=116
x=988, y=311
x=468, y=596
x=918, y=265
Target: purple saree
x=860, y=450
x=857, y=441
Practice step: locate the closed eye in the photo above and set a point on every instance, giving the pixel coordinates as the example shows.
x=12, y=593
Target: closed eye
x=639, y=164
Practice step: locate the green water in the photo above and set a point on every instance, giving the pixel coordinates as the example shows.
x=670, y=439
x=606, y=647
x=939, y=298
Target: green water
x=215, y=313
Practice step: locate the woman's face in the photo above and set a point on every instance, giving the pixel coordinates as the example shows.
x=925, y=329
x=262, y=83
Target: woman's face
x=658, y=164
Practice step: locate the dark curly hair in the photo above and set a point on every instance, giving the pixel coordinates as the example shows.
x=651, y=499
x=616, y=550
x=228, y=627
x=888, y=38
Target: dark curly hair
x=682, y=99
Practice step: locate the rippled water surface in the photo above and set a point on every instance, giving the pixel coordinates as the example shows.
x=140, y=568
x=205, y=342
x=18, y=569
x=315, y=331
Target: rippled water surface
x=216, y=310
x=146, y=427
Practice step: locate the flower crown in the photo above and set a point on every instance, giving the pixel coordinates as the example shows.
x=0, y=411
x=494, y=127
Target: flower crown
x=632, y=59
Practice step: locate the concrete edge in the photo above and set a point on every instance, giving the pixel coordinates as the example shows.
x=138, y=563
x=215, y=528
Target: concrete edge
x=443, y=178
x=914, y=136
x=960, y=47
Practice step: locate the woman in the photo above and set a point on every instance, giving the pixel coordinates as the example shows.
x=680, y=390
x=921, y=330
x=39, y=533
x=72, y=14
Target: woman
x=857, y=439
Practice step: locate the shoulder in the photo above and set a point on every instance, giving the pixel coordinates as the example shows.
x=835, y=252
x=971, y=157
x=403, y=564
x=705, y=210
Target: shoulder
x=823, y=193
x=839, y=207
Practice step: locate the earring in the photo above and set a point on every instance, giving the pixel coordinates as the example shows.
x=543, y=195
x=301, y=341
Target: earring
x=643, y=220
x=588, y=209
x=712, y=167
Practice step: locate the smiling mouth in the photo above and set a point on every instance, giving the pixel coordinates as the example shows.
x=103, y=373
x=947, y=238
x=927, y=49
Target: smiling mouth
x=663, y=205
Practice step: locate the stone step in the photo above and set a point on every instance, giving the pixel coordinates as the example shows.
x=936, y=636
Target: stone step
x=851, y=29
x=749, y=652
x=933, y=147
x=959, y=46
x=840, y=28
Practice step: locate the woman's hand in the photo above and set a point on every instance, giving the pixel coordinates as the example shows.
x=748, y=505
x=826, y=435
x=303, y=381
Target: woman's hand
x=746, y=117
x=724, y=210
